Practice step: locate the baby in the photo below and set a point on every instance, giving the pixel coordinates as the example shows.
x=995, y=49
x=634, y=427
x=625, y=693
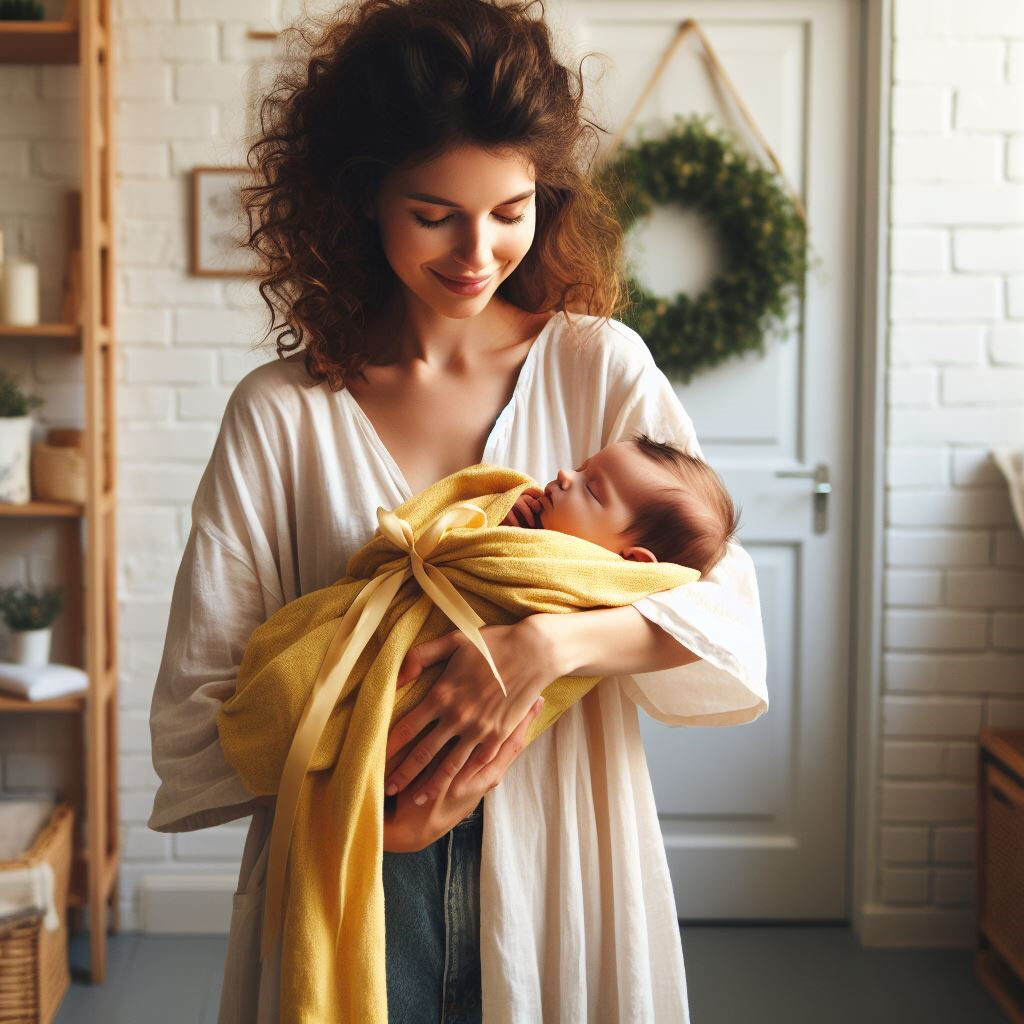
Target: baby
x=645, y=500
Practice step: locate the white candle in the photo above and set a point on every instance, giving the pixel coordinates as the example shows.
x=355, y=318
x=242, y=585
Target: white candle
x=19, y=301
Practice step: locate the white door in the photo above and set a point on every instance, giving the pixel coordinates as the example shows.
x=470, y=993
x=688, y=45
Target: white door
x=754, y=816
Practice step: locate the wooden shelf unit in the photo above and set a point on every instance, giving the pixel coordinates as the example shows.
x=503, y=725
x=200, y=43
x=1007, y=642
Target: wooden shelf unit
x=87, y=531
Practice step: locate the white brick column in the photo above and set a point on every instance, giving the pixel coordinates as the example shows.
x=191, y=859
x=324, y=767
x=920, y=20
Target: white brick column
x=954, y=583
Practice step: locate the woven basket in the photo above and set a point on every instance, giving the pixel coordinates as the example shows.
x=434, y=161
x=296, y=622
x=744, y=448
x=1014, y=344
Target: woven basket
x=58, y=473
x=34, y=971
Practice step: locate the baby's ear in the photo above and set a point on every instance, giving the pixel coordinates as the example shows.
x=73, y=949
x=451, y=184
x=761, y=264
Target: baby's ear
x=638, y=554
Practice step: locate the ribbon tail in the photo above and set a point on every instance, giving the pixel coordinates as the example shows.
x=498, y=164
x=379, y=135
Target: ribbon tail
x=350, y=639
x=454, y=605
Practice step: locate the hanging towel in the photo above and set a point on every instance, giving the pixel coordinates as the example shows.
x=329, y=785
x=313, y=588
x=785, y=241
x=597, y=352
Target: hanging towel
x=1011, y=462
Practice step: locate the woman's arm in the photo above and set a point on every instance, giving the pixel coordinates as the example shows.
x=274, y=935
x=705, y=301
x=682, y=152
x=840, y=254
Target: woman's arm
x=608, y=642
x=226, y=585
x=530, y=654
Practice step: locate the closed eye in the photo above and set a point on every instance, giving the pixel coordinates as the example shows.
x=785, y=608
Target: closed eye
x=444, y=220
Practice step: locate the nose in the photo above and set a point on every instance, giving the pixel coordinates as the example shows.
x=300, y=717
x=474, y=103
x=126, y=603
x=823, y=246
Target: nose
x=474, y=250
x=563, y=479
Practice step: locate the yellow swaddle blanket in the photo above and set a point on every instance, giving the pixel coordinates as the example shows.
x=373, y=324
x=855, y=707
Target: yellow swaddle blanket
x=316, y=697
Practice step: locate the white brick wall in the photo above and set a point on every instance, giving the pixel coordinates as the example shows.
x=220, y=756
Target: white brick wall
x=953, y=629
x=954, y=585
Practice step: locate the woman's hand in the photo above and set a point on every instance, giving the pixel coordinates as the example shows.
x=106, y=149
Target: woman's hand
x=409, y=827
x=466, y=703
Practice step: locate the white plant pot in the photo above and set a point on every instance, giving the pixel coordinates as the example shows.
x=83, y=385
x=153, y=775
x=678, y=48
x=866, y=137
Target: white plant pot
x=31, y=646
x=15, y=446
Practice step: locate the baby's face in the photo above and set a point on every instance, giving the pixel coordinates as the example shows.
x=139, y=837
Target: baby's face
x=598, y=500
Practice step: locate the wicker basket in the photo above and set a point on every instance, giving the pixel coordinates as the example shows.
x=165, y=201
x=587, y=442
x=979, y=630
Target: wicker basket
x=34, y=972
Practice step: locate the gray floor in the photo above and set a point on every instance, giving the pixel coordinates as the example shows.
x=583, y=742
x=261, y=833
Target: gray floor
x=761, y=975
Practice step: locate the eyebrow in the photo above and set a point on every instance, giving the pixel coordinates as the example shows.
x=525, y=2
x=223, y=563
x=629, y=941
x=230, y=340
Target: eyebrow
x=438, y=201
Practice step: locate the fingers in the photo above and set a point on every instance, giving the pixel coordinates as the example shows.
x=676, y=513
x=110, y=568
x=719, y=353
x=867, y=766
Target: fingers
x=409, y=727
x=428, y=653
x=441, y=777
x=526, y=511
x=481, y=771
x=511, y=748
x=413, y=764
x=536, y=508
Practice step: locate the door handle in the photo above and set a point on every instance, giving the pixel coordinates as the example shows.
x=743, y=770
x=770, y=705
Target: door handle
x=821, y=489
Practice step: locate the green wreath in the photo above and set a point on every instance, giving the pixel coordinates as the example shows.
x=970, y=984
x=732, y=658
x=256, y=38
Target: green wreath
x=761, y=232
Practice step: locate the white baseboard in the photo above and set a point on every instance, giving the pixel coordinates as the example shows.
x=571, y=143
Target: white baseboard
x=185, y=904
x=884, y=927
x=201, y=905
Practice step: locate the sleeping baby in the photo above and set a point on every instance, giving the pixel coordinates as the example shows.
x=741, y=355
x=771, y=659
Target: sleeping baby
x=647, y=501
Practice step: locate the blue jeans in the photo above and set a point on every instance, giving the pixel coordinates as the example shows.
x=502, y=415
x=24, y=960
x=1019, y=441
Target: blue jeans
x=432, y=928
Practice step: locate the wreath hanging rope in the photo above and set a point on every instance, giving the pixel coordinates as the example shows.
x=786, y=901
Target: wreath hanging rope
x=761, y=230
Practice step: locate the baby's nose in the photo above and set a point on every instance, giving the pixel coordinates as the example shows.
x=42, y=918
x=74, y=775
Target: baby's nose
x=563, y=479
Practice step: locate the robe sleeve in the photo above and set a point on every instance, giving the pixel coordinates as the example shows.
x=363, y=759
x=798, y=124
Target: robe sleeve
x=718, y=617
x=228, y=583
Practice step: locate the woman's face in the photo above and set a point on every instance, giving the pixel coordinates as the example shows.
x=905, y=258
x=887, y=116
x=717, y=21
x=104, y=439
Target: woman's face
x=468, y=214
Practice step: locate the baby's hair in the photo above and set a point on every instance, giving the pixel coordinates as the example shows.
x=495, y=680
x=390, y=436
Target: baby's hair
x=691, y=523
x=382, y=85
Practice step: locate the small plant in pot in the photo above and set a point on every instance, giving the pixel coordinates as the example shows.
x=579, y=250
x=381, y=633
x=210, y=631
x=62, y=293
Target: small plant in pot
x=29, y=616
x=15, y=439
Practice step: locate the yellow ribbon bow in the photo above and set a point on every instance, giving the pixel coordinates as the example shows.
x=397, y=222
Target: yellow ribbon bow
x=353, y=633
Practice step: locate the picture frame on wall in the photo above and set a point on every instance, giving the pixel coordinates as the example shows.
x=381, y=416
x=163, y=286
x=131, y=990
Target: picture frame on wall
x=219, y=224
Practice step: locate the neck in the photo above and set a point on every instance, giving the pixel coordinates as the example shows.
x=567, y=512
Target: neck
x=421, y=338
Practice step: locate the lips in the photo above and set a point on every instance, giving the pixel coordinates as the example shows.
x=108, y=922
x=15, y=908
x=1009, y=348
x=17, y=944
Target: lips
x=463, y=287
x=464, y=280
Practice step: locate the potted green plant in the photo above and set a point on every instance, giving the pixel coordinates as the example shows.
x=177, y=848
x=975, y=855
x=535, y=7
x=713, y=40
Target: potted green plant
x=29, y=616
x=15, y=439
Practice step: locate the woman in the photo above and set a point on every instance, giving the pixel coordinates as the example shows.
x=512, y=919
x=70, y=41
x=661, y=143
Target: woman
x=444, y=275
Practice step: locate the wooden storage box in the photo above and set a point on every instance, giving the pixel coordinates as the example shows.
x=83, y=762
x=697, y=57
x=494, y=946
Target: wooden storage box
x=34, y=972
x=1000, y=959
x=59, y=467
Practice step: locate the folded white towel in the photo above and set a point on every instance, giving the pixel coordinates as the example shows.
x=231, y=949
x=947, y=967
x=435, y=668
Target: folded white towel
x=42, y=682
x=25, y=891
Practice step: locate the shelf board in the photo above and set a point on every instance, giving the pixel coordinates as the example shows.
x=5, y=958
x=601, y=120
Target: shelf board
x=40, y=330
x=38, y=42
x=41, y=509
x=72, y=702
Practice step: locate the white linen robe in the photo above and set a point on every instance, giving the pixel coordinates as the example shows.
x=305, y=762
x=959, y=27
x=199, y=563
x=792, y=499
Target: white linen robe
x=577, y=919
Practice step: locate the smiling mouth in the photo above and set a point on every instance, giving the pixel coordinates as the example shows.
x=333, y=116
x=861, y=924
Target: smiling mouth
x=465, y=280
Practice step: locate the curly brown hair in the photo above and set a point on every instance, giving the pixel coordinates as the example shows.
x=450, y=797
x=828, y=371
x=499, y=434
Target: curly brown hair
x=387, y=84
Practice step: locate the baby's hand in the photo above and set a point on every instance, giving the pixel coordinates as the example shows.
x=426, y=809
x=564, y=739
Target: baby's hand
x=526, y=511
